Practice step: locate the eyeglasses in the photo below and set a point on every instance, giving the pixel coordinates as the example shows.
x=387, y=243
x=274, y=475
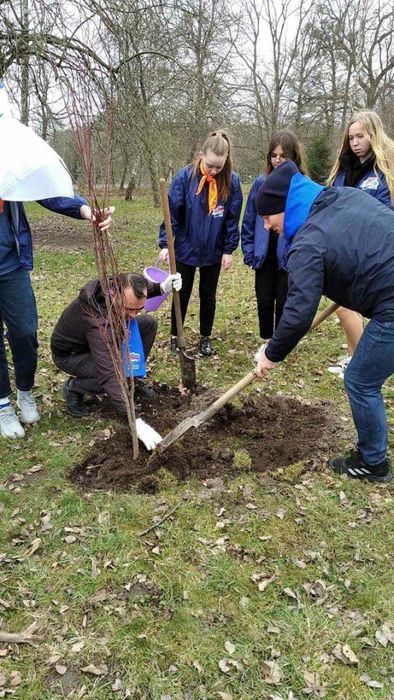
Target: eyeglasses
x=275, y=156
x=135, y=311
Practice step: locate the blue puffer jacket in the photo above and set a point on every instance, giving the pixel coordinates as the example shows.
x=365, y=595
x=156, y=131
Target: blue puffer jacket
x=20, y=225
x=254, y=237
x=373, y=183
x=201, y=238
x=342, y=246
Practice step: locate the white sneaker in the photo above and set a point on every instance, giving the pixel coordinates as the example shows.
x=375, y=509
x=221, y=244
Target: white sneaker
x=9, y=423
x=257, y=354
x=340, y=366
x=27, y=404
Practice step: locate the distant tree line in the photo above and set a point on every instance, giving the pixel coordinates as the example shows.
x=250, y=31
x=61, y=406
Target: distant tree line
x=170, y=72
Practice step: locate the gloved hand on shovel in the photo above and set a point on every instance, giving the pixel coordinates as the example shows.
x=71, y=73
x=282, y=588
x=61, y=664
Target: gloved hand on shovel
x=147, y=434
x=171, y=282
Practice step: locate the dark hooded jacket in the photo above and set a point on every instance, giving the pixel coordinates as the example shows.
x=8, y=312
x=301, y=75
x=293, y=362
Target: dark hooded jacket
x=342, y=246
x=81, y=329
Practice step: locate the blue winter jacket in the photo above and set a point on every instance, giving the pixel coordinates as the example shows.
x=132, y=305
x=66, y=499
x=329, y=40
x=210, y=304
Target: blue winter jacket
x=373, y=183
x=20, y=225
x=201, y=238
x=254, y=237
x=342, y=246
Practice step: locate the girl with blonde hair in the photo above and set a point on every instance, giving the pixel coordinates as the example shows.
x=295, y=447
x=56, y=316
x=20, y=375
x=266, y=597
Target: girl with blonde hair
x=205, y=204
x=365, y=161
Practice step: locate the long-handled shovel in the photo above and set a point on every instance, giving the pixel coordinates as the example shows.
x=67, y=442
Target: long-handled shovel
x=188, y=365
x=203, y=416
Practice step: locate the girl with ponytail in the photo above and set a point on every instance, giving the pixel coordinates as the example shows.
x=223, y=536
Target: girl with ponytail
x=205, y=202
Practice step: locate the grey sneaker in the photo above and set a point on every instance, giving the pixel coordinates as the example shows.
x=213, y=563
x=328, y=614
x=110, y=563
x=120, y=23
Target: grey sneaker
x=10, y=426
x=27, y=404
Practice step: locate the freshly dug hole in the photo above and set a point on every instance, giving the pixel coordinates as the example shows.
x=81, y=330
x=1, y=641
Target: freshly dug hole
x=270, y=432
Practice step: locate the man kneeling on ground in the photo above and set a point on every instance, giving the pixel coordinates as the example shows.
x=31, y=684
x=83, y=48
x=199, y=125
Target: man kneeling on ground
x=79, y=347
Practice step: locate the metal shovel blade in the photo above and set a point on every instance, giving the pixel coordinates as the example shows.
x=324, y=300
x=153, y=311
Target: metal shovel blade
x=203, y=416
x=177, y=432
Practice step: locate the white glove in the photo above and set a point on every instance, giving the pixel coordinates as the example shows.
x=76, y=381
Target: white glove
x=171, y=282
x=147, y=434
x=163, y=255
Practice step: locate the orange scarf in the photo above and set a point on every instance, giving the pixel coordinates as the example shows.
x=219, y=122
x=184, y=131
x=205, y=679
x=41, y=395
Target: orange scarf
x=213, y=188
x=1, y=205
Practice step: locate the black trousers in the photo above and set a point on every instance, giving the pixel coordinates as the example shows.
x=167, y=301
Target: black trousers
x=271, y=290
x=83, y=368
x=209, y=277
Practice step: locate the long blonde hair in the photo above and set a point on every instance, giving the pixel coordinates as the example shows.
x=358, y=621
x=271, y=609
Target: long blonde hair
x=219, y=143
x=381, y=145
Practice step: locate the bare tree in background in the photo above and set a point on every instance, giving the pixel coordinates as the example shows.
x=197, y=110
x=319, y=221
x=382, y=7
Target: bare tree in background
x=274, y=34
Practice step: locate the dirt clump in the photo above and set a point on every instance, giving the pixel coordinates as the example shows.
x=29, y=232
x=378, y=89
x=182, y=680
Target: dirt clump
x=260, y=434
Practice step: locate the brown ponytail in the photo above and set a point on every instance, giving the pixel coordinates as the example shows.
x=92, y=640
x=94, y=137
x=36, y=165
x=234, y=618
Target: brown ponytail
x=219, y=143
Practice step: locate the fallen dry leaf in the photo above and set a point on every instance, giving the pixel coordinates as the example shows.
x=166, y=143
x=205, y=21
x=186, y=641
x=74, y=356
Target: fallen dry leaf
x=272, y=672
x=36, y=544
x=61, y=669
x=95, y=670
x=46, y=524
x=290, y=593
x=229, y=647
x=223, y=665
x=69, y=539
x=384, y=635
x=265, y=583
x=345, y=654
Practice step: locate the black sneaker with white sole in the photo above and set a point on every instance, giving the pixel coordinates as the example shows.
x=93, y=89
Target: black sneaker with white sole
x=356, y=467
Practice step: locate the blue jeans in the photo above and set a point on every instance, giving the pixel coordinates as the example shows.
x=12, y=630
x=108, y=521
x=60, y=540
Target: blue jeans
x=18, y=312
x=371, y=365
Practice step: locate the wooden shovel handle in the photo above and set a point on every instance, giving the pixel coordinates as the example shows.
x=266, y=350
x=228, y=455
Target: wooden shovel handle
x=222, y=400
x=319, y=318
x=171, y=252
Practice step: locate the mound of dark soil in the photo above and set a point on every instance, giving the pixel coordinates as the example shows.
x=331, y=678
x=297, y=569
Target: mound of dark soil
x=262, y=433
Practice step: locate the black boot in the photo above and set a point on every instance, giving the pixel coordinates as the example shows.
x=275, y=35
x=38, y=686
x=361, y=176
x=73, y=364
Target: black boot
x=142, y=391
x=205, y=346
x=356, y=467
x=74, y=401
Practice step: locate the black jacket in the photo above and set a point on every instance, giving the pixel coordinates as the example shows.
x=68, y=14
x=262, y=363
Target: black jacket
x=81, y=329
x=344, y=250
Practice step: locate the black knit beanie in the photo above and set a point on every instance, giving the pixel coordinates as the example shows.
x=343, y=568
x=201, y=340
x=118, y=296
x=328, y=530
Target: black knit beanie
x=272, y=195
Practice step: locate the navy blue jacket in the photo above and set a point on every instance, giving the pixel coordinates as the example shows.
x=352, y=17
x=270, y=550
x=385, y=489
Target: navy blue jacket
x=343, y=247
x=254, y=237
x=201, y=238
x=20, y=225
x=373, y=183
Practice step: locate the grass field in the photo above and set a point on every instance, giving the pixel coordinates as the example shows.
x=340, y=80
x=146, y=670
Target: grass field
x=256, y=587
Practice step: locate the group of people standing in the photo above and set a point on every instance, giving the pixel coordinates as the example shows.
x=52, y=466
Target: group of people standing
x=205, y=200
